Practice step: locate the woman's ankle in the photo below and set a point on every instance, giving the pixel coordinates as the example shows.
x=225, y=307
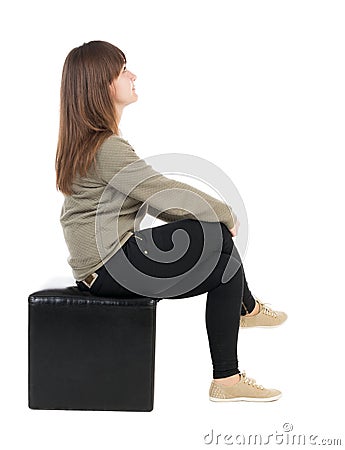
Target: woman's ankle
x=228, y=381
x=255, y=311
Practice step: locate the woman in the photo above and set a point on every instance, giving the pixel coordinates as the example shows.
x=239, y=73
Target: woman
x=108, y=189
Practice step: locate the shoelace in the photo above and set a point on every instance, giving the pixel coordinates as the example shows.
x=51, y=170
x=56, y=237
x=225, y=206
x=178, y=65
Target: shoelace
x=267, y=310
x=250, y=381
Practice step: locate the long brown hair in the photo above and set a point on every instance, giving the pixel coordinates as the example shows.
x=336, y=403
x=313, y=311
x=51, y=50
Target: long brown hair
x=87, y=109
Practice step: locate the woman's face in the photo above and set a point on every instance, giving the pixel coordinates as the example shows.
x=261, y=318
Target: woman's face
x=123, y=88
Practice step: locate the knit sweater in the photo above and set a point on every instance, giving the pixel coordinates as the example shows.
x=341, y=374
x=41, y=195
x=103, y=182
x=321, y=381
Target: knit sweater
x=107, y=205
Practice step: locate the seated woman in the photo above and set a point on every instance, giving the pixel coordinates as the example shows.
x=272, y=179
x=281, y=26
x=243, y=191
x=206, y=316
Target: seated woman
x=107, y=191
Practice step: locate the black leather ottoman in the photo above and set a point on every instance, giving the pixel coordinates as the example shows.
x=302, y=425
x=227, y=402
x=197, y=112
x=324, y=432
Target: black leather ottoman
x=91, y=353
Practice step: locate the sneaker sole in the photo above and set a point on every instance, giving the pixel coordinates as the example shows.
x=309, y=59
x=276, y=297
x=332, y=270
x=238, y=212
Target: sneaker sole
x=262, y=326
x=245, y=399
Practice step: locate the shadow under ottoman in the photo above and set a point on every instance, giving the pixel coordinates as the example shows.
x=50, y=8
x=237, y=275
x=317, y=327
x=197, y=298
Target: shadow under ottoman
x=91, y=353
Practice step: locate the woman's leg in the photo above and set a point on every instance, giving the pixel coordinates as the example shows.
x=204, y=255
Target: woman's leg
x=248, y=301
x=223, y=308
x=224, y=299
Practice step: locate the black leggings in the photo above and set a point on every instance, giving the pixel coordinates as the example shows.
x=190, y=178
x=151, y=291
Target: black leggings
x=210, y=254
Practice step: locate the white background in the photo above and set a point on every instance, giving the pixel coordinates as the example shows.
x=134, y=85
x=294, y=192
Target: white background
x=255, y=87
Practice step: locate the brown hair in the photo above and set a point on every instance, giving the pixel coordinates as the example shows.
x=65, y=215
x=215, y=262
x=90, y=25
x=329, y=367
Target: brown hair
x=87, y=109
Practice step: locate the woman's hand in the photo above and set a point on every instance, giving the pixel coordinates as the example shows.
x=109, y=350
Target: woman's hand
x=233, y=230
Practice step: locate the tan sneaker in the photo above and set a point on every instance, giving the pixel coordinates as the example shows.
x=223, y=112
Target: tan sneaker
x=246, y=390
x=266, y=317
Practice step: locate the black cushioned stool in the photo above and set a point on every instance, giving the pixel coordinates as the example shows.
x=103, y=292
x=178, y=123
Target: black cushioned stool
x=91, y=353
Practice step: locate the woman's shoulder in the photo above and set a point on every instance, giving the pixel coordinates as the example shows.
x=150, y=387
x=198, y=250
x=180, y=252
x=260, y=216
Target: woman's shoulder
x=114, y=145
x=114, y=154
x=116, y=142
x=115, y=150
x=115, y=139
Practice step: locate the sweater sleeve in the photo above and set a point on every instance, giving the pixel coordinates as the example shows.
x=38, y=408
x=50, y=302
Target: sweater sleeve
x=166, y=199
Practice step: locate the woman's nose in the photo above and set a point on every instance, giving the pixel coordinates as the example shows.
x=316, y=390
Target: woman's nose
x=133, y=76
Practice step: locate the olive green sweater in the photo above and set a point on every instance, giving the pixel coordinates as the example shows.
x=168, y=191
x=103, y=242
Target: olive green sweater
x=97, y=221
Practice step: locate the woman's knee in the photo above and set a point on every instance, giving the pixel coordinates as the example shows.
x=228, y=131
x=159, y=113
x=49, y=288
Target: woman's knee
x=228, y=243
x=202, y=231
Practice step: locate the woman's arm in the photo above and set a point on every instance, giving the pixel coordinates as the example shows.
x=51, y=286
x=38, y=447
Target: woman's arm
x=167, y=199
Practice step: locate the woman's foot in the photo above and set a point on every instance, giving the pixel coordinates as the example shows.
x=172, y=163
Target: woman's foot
x=245, y=389
x=262, y=316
